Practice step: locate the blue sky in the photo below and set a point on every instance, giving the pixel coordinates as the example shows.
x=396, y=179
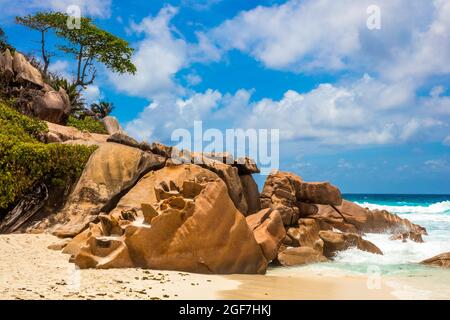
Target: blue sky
x=368, y=110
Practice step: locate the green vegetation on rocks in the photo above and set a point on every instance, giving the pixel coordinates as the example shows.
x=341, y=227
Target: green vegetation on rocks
x=89, y=124
x=24, y=160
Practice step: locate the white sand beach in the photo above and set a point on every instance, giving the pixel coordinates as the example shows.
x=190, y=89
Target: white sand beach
x=31, y=271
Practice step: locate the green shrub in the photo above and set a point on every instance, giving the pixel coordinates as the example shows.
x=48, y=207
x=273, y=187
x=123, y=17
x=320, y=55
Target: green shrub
x=24, y=124
x=25, y=161
x=87, y=124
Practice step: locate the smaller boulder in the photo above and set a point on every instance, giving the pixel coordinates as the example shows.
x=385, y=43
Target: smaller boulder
x=300, y=256
x=111, y=125
x=320, y=193
x=121, y=137
x=413, y=236
x=246, y=165
x=59, y=245
x=52, y=106
x=337, y=241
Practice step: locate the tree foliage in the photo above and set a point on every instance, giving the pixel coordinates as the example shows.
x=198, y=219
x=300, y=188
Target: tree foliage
x=42, y=22
x=88, y=44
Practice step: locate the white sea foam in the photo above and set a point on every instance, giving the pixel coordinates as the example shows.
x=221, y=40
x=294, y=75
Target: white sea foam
x=438, y=207
x=396, y=252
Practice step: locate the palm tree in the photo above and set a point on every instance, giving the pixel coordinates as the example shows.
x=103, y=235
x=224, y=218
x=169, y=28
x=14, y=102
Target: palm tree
x=102, y=109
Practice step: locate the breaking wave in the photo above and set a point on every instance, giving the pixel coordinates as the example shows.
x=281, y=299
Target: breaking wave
x=438, y=207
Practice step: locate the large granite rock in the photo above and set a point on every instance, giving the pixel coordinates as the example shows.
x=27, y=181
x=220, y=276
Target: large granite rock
x=269, y=231
x=193, y=226
x=441, y=260
x=111, y=171
x=25, y=72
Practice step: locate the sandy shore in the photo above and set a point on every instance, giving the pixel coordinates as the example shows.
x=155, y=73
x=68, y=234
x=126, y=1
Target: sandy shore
x=31, y=271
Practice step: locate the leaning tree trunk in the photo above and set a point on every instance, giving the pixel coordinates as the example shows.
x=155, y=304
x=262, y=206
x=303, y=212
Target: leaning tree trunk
x=25, y=209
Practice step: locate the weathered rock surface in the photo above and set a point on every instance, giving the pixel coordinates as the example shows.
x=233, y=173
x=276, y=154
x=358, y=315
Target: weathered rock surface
x=53, y=106
x=245, y=165
x=319, y=193
x=337, y=241
x=197, y=228
x=227, y=173
x=268, y=230
x=6, y=65
x=122, y=138
x=155, y=184
x=306, y=234
x=25, y=72
x=59, y=133
x=231, y=178
x=307, y=209
x=300, y=256
x=161, y=149
x=279, y=193
x=111, y=170
x=59, y=245
x=413, y=236
x=441, y=260
x=251, y=193
x=111, y=124
x=376, y=221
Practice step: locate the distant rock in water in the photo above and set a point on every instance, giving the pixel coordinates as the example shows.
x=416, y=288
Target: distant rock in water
x=441, y=260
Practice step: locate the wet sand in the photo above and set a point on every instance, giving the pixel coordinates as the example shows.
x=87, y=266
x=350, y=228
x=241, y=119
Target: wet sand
x=28, y=270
